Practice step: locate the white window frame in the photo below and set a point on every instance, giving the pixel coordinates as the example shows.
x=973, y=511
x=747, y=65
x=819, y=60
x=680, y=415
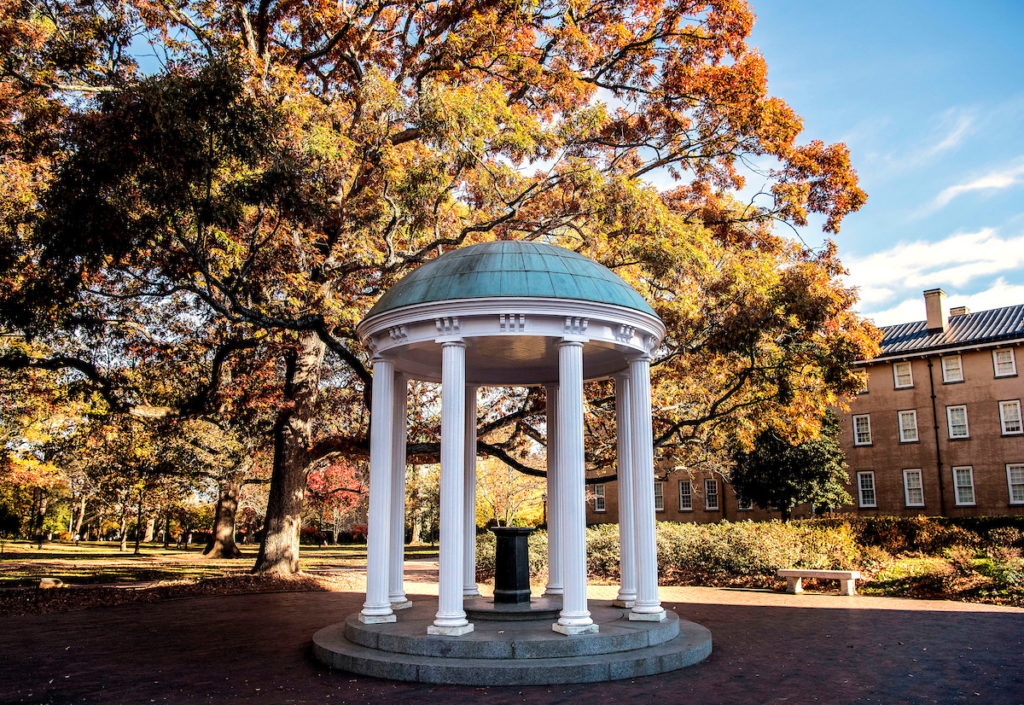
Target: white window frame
x=949, y=422
x=713, y=484
x=900, y=415
x=861, y=489
x=995, y=363
x=952, y=374
x=856, y=437
x=907, y=474
x=685, y=500
x=743, y=505
x=1010, y=467
x=599, y=498
x=659, y=496
x=957, y=486
x=1011, y=404
x=896, y=375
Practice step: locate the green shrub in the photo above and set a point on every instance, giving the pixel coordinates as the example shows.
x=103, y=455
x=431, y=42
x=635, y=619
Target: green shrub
x=689, y=552
x=928, y=535
x=1006, y=536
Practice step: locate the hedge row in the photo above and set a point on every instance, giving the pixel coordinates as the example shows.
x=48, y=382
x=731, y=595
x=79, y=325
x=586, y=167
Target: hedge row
x=752, y=552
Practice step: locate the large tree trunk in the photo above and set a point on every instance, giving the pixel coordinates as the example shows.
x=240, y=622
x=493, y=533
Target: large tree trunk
x=138, y=525
x=77, y=531
x=222, y=537
x=124, y=530
x=167, y=531
x=147, y=536
x=39, y=520
x=279, y=550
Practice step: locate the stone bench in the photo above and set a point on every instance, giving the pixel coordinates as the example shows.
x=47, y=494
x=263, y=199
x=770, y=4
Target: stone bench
x=794, y=578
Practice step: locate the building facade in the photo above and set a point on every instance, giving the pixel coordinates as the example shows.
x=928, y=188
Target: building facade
x=938, y=429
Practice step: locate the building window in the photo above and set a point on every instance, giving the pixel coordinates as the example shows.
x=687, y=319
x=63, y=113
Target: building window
x=862, y=430
x=1009, y=417
x=952, y=369
x=685, y=496
x=1004, y=363
x=743, y=504
x=1015, y=480
x=598, y=498
x=866, y=489
x=913, y=487
x=711, y=495
x=956, y=416
x=963, y=485
x=902, y=375
x=659, y=496
x=908, y=426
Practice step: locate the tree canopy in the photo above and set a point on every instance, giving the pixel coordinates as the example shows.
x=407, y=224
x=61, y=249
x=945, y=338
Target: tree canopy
x=204, y=183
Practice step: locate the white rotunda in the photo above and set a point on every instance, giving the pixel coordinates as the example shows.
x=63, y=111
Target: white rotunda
x=500, y=314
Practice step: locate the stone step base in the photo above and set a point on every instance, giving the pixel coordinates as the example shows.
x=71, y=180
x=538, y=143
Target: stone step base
x=529, y=655
x=511, y=639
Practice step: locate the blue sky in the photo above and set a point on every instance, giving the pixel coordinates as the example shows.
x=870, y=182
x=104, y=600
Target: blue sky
x=929, y=96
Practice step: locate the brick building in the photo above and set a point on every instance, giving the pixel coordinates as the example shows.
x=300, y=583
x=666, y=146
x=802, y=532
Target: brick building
x=939, y=428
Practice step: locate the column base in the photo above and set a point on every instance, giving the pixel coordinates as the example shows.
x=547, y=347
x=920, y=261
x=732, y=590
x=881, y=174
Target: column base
x=470, y=592
x=554, y=591
x=647, y=616
x=450, y=631
x=574, y=629
x=403, y=604
x=377, y=618
x=623, y=603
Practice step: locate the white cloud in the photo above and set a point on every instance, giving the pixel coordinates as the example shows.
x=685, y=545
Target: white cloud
x=955, y=260
x=907, y=268
x=1000, y=179
x=960, y=125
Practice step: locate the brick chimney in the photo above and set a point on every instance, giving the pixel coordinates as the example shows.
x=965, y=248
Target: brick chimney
x=958, y=311
x=935, y=308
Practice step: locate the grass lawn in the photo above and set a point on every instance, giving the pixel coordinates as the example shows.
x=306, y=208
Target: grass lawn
x=100, y=562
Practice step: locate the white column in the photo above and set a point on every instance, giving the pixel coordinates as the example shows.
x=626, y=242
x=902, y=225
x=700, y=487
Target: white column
x=396, y=586
x=451, y=618
x=574, y=617
x=647, y=606
x=469, y=587
x=623, y=453
x=377, y=607
x=555, y=586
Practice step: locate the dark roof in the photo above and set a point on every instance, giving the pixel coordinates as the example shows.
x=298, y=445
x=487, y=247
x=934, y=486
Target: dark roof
x=981, y=328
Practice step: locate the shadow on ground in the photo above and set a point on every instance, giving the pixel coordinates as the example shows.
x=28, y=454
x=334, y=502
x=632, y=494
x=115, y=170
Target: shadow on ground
x=256, y=649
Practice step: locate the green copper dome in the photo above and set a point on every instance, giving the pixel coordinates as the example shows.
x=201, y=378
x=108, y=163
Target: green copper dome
x=511, y=268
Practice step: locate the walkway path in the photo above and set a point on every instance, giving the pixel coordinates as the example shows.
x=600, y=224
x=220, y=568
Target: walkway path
x=769, y=648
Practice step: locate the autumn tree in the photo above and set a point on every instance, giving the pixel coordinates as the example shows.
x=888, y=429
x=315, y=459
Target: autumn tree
x=783, y=474
x=289, y=162
x=507, y=497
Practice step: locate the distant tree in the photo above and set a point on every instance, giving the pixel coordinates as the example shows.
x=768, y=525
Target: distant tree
x=776, y=473
x=507, y=496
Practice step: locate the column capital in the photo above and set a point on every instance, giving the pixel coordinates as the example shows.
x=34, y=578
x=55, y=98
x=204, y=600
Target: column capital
x=451, y=341
x=572, y=340
x=639, y=357
x=379, y=358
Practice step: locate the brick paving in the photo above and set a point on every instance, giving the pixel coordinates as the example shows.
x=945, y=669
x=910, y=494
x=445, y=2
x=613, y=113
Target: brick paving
x=769, y=648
